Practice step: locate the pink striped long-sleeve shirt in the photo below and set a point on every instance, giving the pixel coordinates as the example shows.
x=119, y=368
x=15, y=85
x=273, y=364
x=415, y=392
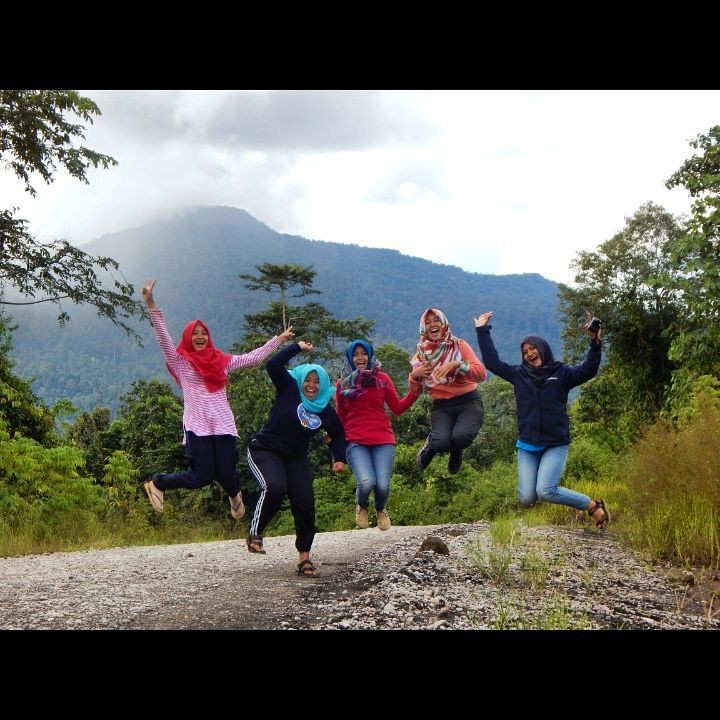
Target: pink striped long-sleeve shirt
x=205, y=412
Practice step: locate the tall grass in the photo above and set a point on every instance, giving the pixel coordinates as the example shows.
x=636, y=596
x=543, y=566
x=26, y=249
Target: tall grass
x=673, y=488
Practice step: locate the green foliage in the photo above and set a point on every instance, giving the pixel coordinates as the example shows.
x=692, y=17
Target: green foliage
x=589, y=460
x=498, y=434
x=90, y=432
x=438, y=497
x=696, y=260
x=20, y=410
x=42, y=494
x=396, y=363
x=35, y=136
x=120, y=480
x=148, y=428
x=413, y=425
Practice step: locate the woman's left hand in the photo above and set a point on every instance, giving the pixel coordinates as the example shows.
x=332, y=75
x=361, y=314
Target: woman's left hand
x=338, y=466
x=596, y=336
x=447, y=369
x=287, y=335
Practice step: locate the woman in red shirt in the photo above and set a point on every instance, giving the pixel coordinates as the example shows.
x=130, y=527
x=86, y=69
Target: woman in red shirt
x=362, y=392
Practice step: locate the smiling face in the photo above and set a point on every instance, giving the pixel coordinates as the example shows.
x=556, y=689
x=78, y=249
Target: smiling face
x=311, y=385
x=531, y=355
x=199, y=337
x=433, y=327
x=360, y=357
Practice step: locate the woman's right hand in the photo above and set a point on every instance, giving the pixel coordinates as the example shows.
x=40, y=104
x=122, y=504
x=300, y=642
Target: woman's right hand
x=305, y=346
x=483, y=319
x=421, y=371
x=147, y=293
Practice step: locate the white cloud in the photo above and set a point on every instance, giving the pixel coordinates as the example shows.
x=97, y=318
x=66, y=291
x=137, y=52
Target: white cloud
x=492, y=181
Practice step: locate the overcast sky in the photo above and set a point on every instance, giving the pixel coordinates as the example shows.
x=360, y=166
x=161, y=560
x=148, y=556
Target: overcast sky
x=492, y=181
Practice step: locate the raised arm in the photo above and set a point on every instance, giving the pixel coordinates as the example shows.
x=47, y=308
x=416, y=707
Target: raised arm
x=260, y=354
x=590, y=365
x=276, y=364
x=487, y=348
x=158, y=322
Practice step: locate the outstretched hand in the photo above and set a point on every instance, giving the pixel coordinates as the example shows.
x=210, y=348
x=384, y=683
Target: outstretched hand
x=147, y=293
x=338, y=466
x=287, y=335
x=483, y=319
x=305, y=346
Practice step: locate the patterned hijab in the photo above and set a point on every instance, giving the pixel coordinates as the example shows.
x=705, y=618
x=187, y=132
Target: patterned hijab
x=352, y=380
x=209, y=362
x=437, y=353
x=549, y=363
x=300, y=372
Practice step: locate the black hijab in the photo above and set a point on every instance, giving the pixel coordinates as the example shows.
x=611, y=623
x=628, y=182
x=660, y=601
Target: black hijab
x=549, y=363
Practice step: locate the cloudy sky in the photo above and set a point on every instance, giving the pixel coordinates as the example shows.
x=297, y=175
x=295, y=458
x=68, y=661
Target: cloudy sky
x=491, y=181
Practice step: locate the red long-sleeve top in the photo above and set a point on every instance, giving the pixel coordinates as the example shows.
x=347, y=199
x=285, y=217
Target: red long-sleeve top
x=364, y=416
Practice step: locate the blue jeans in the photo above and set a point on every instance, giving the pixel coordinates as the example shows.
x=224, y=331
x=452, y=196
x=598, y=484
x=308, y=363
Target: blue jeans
x=372, y=466
x=539, y=474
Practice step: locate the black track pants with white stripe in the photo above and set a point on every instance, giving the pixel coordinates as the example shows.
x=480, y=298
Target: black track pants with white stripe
x=279, y=476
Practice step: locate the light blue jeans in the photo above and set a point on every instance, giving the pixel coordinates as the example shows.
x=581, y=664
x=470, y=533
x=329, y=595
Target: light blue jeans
x=372, y=466
x=539, y=474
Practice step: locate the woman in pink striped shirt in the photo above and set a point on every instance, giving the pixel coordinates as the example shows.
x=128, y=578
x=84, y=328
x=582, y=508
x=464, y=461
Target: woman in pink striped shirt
x=210, y=434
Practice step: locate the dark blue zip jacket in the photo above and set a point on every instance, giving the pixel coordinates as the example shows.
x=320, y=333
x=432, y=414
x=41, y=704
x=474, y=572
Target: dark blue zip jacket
x=283, y=432
x=541, y=411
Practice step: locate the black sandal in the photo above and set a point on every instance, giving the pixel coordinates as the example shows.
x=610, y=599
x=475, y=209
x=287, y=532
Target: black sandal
x=307, y=569
x=604, y=521
x=255, y=540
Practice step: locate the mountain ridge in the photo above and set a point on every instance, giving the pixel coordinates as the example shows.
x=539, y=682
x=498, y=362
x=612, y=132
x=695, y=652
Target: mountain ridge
x=197, y=253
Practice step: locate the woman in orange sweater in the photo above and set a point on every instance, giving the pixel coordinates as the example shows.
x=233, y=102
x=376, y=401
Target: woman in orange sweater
x=446, y=367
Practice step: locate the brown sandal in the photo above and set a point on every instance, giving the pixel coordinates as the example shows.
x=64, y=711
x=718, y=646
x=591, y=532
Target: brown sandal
x=255, y=544
x=307, y=569
x=604, y=521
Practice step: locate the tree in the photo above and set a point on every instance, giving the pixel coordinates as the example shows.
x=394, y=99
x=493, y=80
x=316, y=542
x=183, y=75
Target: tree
x=281, y=278
x=36, y=136
x=312, y=322
x=696, y=260
x=621, y=282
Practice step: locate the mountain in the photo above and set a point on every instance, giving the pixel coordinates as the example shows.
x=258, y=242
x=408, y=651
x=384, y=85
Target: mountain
x=196, y=256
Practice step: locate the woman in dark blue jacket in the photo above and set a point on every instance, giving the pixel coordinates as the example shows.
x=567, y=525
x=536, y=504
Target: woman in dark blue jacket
x=541, y=391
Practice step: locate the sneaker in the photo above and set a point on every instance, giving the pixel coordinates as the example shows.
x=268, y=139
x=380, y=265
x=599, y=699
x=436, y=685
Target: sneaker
x=361, y=518
x=455, y=461
x=425, y=454
x=383, y=520
x=155, y=495
x=237, y=509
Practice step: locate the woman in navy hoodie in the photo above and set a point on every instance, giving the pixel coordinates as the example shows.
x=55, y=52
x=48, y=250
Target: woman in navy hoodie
x=541, y=390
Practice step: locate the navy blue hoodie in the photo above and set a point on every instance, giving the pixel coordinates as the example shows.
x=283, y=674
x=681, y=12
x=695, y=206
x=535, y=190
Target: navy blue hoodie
x=541, y=406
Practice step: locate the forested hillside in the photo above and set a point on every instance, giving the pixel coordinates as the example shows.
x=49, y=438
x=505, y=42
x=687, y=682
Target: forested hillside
x=197, y=256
